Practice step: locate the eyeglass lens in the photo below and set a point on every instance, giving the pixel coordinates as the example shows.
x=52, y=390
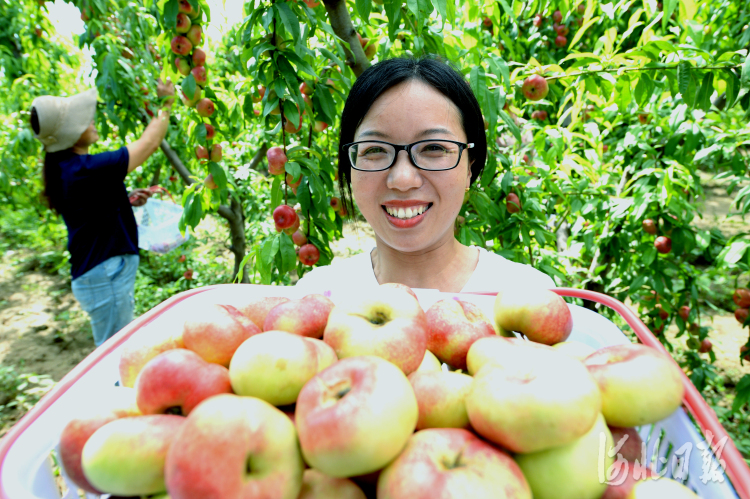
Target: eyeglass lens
x=432, y=155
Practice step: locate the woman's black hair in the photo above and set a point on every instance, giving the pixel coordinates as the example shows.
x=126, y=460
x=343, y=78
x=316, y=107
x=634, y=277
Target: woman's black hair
x=431, y=70
x=52, y=192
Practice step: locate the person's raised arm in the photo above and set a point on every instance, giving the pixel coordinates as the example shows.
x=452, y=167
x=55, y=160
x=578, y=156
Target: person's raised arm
x=149, y=142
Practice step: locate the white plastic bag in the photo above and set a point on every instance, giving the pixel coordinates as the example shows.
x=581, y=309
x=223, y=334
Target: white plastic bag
x=158, y=226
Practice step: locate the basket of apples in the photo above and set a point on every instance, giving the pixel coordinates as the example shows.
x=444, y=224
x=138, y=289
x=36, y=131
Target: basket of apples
x=242, y=391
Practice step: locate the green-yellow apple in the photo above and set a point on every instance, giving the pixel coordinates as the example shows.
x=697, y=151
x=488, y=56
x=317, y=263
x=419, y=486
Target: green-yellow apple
x=354, y=417
x=78, y=430
x=501, y=351
x=145, y=344
x=660, y=489
x=126, y=457
x=540, y=314
x=403, y=287
x=215, y=331
x=305, y=317
x=549, y=401
x=452, y=463
x=317, y=485
x=385, y=322
x=258, y=309
x=441, y=398
x=619, y=486
x=429, y=363
x=233, y=447
x=570, y=471
x=175, y=381
x=275, y=365
x=626, y=374
x=452, y=327
x=575, y=349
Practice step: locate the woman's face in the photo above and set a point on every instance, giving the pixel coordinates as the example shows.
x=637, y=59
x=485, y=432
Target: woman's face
x=89, y=136
x=406, y=113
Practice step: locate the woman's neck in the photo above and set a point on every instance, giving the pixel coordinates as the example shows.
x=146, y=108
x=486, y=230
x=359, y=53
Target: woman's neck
x=446, y=268
x=80, y=150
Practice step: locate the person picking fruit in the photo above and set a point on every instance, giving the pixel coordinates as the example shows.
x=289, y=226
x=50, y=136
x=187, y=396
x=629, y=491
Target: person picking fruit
x=411, y=143
x=89, y=192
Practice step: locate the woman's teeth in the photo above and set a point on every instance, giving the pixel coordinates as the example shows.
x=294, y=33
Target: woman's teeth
x=405, y=213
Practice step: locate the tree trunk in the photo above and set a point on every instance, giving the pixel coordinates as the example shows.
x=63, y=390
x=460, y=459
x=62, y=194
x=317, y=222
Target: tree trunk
x=341, y=22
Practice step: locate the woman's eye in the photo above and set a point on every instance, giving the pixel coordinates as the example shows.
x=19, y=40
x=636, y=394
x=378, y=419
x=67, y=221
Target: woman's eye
x=372, y=151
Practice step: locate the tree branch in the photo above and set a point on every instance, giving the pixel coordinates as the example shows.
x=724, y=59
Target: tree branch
x=341, y=22
x=176, y=162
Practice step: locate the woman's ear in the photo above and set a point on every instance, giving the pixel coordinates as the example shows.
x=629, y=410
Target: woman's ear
x=468, y=175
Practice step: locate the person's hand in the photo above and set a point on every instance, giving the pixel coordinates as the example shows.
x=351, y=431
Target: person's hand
x=165, y=90
x=139, y=197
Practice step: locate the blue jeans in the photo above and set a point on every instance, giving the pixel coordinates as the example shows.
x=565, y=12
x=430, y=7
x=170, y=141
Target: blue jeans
x=107, y=294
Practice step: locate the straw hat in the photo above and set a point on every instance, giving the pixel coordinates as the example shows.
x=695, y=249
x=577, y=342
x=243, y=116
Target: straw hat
x=62, y=120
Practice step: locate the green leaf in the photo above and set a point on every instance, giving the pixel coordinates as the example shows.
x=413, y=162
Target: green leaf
x=668, y=7
x=742, y=394
x=683, y=77
x=276, y=193
x=288, y=19
x=744, y=80
x=649, y=255
x=363, y=8
x=643, y=89
x=289, y=75
x=442, y=8
x=267, y=254
x=220, y=176
x=511, y=125
x=733, y=253
x=171, y=9
x=288, y=256
x=733, y=87
x=703, y=101
x=623, y=93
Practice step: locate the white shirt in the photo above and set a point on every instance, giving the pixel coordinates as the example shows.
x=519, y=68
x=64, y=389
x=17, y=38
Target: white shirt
x=493, y=273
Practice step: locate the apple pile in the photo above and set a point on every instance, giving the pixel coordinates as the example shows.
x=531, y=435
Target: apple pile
x=304, y=398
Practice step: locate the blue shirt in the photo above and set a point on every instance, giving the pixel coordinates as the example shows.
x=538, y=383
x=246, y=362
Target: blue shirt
x=95, y=207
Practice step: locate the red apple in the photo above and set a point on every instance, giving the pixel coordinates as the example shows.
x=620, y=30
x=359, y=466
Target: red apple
x=194, y=34
x=684, y=312
x=183, y=23
x=335, y=203
x=663, y=314
x=299, y=238
x=188, y=274
x=643, y=118
x=185, y=7
x=561, y=41
x=305, y=317
x=215, y=331
x=182, y=66
x=663, y=244
x=451, y=462
x=539, y=115
x=205, y=107
x=309, y=254
x=233, y=446
x=741, y=297
x=306, y=89
x=210, y=183
x=201, y=152
x=385, y=322
x=540, y=314
x=319, y=126
x=181, y=45
x=441, y=398
x=706, y=346
x=452, y=327
x=538, y=20
x=210, y=131
x=200, y=75
x=535, y=87
x=216, y=153
x=512, y=203
x=199, y=57
x=741, y=315
x=557, y=16
x=284, y=216
x=355, y=416
x=276, y=160
x=649, y=226
x=290, y=181
x=560, y=29
x=257, y=309
x=175, y=381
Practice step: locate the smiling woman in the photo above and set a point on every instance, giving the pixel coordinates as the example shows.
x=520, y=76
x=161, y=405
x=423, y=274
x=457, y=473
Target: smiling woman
x=412, y=142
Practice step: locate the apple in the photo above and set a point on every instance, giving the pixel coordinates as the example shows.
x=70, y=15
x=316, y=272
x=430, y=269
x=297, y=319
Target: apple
x=258, y=96
x=175, y=381
x=199, y=57
x=561, y=41
x=355, y=416
x=196, y=97
x=305, y=317
x=622, y=372
x=575, y=349
x=317, y=485
x=539, y=115
x=663, y=314
x=210, y=183
x=371, y=50
x=188, y=274
x=512, y=203
x=386, y=322
x=275, y=365
x=299, y=238
x=440, y=398
x=661, y=488
x=293, y=228
x=649, y=226
x=744, y=349
x=200, y=75
x=215, y=331
x=284, y=216
x=570, y=471
x=605, y=148
x=201, y=152
x=309, y=254
x=452, y=326
x=535, y=87
x=663, y=244
x=398, y=285
x=233, y=446
x=319, y=126
x=147, y=343
x=290, y=127
x=619, y=487
x=183, y=23
x=501, y=351
x=741, y=315
x=276, y=160
x=540, y=314
x=216, y=153
x=185, y=7
x=452, y=462
x=314, y=3
x=257, y=310
x=306, y=89
x=741, y=297
x=538, y=20
x=195, y=34
x=181, y=45
x=560, y=29
x=205, y=107
x=210, y=131
x=684, y=312
x=195, y=14
x=430, y=363
x=77, y=432
x=290, y=181
x=557, y=16
x=335, y=203
x=126, y=456
x=643, y=118
x=549, y=401
x=182, y=66
x=706, y=346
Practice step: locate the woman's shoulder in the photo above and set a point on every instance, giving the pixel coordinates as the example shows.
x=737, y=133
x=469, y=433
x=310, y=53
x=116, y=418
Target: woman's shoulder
x=495, y=272
x=341, y=274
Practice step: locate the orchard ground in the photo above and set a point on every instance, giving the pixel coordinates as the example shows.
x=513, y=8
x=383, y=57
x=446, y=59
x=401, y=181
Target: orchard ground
x=44, y=331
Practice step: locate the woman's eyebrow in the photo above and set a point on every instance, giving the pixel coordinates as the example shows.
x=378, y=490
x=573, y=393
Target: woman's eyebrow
x=423, y=133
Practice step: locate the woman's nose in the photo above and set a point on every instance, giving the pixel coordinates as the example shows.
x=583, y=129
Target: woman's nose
x=403, y=175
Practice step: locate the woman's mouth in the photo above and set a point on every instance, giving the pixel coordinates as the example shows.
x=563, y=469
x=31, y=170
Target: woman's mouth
x=408, y=217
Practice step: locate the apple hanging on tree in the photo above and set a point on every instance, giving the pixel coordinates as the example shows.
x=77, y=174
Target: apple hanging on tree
x=195, y=34
x=663, y=244
x=649, y=226
x=210, y=131
x=183, y=23
x=535, y=87
x=741, y=297
x=284, y=216
x=309, y=254
x=276, y=160
x=181, y=45
x=199, y=57
x=182, y=66
x=205, y=107
x=512, y=203
x=216, y=153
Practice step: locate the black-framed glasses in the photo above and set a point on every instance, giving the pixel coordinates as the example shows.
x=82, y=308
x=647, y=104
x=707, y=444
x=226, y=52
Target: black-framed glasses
x=431, y=155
